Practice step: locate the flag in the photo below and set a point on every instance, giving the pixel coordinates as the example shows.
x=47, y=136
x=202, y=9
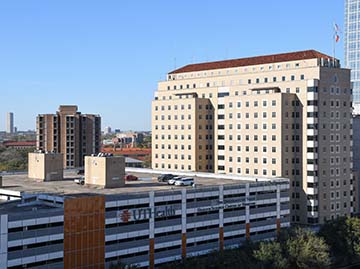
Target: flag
x=336, y=28
x=337, y=38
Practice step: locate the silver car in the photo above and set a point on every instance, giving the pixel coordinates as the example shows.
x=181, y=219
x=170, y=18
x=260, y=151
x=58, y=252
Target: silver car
x=187, y=181
x=172, y=181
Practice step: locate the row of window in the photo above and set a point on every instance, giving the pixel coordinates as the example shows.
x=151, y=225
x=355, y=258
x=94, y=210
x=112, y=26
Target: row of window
x=239, y=104
x=247, y=159
x=333, y=161
x=175, y=166
x=333, y=149
x=233, y=71
x=207, y=147
x=182, y=157
x=182, y=117
x=182, y=127
x=247, y=171
x=247, y=148
x=233, y=82
x=247, y=137
x=176, y=107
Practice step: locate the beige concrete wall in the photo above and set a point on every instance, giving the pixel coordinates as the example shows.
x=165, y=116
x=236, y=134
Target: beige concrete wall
x=183, y=134
x=45, y=166
x=107, y=172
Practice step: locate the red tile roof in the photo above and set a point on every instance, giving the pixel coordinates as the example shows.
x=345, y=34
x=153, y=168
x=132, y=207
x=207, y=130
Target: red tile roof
x=127, y=151
x=275, y=58
x=19, y=143
x=136, y=153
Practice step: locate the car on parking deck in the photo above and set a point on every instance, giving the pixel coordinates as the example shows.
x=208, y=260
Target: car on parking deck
x=165, y=177
x=80, y=180
x=172, y=181
x=130, y=178
x=187, y=181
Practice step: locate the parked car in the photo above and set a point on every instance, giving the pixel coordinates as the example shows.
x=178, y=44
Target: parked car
x=187, y=181
x=165, y=177
x=130, y=178
x=172, y=180
x=80, y=180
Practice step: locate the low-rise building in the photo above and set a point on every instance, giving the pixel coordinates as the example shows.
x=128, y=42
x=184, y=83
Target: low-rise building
x=130, y=139
x=144, y=223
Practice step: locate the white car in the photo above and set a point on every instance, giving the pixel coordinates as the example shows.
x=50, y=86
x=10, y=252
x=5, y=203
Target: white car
x=172, y=181
x=80, y=180
x=187, y=181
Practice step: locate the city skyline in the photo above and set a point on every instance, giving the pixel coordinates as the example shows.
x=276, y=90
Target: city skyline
x=94, y=56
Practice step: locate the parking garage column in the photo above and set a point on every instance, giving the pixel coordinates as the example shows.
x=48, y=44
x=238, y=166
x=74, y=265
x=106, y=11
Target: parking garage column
x=183, y=223
x=221, y=217
x=278, y=210
x=3, y=241
x=247, y=211
x=151, y=230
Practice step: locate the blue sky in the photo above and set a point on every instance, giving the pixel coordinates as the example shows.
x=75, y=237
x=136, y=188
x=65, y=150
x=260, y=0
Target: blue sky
x=107, y=56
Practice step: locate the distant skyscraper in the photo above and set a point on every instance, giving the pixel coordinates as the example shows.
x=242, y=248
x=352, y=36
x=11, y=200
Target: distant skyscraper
x=107, y=130
x=10, y=122
x=69, y=132
x=352, y=45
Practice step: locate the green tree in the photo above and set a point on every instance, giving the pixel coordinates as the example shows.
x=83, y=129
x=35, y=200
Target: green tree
x=343, y=237
x=353, y=235
x=235, y=258
x=306, y=250
x=271, y=255
x=14, y=159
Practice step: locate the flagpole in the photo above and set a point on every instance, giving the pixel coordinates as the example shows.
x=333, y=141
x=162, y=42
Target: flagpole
x=334, y=38
x=334, y=49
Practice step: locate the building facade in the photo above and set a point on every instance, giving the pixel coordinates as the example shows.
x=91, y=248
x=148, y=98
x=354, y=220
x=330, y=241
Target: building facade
x=10, y=122
x=143, y=228
x=352, y=46
x=277, y=115
x=356, y=143
x=69, y=132
x=129, y=139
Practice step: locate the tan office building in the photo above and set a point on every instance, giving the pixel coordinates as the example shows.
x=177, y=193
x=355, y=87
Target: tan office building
x=285, y=115
x=69, y=132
